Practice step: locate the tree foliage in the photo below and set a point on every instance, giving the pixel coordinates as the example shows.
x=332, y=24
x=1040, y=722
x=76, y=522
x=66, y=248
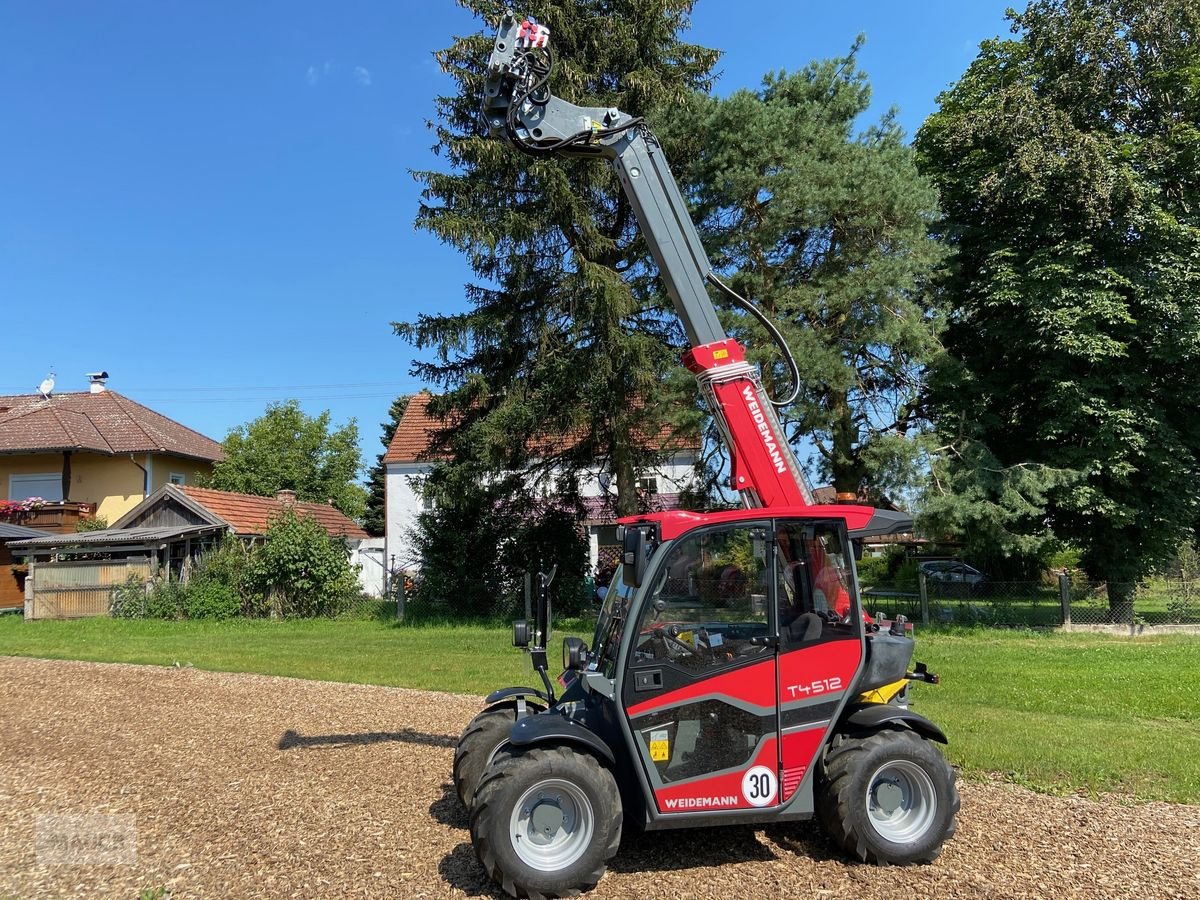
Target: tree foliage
x=1068, y=160
x=825, y=229
x=300, y=569
x=374, y=519
x=565, y=333
x=285, y=449
x=479, y=540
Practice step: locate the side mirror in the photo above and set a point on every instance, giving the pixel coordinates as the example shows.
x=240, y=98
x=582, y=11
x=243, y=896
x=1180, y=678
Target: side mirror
x=858, y=549
x=575, y=653
x=633, y=557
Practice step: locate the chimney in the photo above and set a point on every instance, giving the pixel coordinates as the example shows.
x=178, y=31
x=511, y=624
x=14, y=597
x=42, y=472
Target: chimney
x=98, y=380
x=286, y=497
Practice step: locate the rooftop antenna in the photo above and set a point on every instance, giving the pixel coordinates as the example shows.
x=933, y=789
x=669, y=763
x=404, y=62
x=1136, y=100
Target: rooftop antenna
x=47, y=385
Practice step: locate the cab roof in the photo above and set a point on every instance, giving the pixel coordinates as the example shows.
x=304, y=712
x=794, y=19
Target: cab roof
x=861, y=521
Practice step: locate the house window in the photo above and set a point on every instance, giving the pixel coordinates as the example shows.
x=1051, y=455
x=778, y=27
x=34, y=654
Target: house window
x=177, y=478
x=647, y=486
x=48, y=486
x=428, y=503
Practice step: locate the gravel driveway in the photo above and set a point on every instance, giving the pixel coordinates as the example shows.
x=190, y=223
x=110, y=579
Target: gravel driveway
x=245, y=785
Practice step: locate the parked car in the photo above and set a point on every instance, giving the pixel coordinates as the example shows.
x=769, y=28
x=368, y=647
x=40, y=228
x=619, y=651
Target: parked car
x=949, y=571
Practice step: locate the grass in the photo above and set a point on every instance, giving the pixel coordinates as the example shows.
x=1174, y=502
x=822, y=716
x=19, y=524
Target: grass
x=1061, y=712
x=1056, y=712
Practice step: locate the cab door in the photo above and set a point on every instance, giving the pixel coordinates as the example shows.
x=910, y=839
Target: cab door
x=700, y=687
x=820, y=639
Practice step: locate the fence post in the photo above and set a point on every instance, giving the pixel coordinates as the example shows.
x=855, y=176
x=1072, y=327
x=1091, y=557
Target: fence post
x=921, y=586
x=1064, y=596
x=400, y=597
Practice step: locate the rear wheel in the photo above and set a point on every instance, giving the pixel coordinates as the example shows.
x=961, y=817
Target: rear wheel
x=887, y=798
x=546, y=821
x=483, y=736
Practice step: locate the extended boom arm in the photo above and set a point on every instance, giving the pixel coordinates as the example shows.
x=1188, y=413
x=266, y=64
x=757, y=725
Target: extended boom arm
x=519, y=107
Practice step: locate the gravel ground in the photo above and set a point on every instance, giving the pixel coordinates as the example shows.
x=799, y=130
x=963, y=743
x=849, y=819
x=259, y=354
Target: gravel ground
x=245, y=785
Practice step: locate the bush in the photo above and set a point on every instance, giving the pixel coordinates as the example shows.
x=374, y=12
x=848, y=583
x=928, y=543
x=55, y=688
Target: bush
x=477, y=543
x=209, y=599
x=129, y=599
x=300, y=570
x=165, y=600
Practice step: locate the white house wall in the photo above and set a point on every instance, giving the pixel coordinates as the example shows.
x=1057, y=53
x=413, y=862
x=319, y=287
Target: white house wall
x=403, y=507
x=404, y=502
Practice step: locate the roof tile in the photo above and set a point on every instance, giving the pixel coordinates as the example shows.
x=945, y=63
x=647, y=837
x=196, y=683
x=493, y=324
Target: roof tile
x=251, y=514
x=417, y=428
x=106, y=422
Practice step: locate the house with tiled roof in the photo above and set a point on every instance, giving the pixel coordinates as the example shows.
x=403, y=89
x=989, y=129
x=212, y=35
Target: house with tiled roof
x=245, y=515
x=166, y=533
x=412, y=454
x=95, y=447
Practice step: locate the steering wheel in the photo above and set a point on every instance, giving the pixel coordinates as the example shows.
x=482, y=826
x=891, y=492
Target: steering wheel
x=670, y=636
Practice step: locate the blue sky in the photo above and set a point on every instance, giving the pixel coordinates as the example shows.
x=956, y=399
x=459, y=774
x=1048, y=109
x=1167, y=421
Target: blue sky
x=212, y=201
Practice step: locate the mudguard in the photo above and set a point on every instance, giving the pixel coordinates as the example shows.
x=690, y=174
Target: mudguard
x=509, y=693
x=869, y=716
x=551, y=728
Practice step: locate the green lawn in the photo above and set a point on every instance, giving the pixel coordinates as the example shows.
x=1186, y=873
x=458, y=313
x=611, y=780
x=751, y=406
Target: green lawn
x=1057, y=712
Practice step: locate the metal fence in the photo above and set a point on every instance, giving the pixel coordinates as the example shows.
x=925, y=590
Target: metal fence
x=1062, y=600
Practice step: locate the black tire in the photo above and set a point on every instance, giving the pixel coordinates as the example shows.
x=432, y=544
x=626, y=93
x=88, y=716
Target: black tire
x=566, y=793
x=483, y=735
x=888, y=797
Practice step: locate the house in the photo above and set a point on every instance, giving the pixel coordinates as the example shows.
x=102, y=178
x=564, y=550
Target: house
x=409, y=460
x=95, y=447
x=73, y=575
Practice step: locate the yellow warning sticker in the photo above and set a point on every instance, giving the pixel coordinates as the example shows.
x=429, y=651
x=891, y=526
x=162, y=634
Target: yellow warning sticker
x=720, y=354
x=660, y=746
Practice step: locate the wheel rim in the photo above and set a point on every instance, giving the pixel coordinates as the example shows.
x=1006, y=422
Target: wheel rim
x=901, y=801
x=551, y=825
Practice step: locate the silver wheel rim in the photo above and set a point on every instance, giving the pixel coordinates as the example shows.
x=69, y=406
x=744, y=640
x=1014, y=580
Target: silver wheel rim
x=551, y=825
x=901, y=801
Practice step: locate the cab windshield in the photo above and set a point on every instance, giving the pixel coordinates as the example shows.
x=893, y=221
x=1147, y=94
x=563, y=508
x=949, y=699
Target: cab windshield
x=613, y=611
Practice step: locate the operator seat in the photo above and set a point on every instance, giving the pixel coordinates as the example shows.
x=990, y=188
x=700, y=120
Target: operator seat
x=806, y=628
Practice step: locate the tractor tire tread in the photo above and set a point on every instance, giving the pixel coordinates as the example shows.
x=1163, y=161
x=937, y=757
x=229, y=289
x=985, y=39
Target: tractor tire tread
x=505, y=766
x=837, y=794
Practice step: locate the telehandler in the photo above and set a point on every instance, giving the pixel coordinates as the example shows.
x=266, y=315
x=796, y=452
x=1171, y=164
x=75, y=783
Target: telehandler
x=732, y=676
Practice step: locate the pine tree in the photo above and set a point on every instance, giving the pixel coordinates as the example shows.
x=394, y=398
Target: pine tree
x=825, y=230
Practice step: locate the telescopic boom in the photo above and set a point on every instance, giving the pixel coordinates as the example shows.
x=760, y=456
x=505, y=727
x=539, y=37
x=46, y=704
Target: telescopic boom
x=519, y=108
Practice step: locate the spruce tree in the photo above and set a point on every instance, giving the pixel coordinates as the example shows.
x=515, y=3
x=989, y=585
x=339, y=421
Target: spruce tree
x=562, y=356
x=375, y=518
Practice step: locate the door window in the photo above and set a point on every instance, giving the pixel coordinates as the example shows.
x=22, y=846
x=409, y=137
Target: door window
x=709, y=606
x=813, y=584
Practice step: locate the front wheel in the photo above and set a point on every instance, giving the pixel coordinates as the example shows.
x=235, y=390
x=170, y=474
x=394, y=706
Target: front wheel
x=483, y=736
x=546, y=821
x=888, y=798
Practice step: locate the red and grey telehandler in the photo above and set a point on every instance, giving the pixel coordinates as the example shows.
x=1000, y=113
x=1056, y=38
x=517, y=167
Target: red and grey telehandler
x=732, y=676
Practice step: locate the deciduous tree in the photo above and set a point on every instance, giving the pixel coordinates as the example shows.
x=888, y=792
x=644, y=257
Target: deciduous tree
x=286, y=449
x=1068, y=160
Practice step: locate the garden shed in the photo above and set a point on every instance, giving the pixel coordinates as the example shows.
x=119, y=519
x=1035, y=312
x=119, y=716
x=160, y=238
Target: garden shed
x=74, y=574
